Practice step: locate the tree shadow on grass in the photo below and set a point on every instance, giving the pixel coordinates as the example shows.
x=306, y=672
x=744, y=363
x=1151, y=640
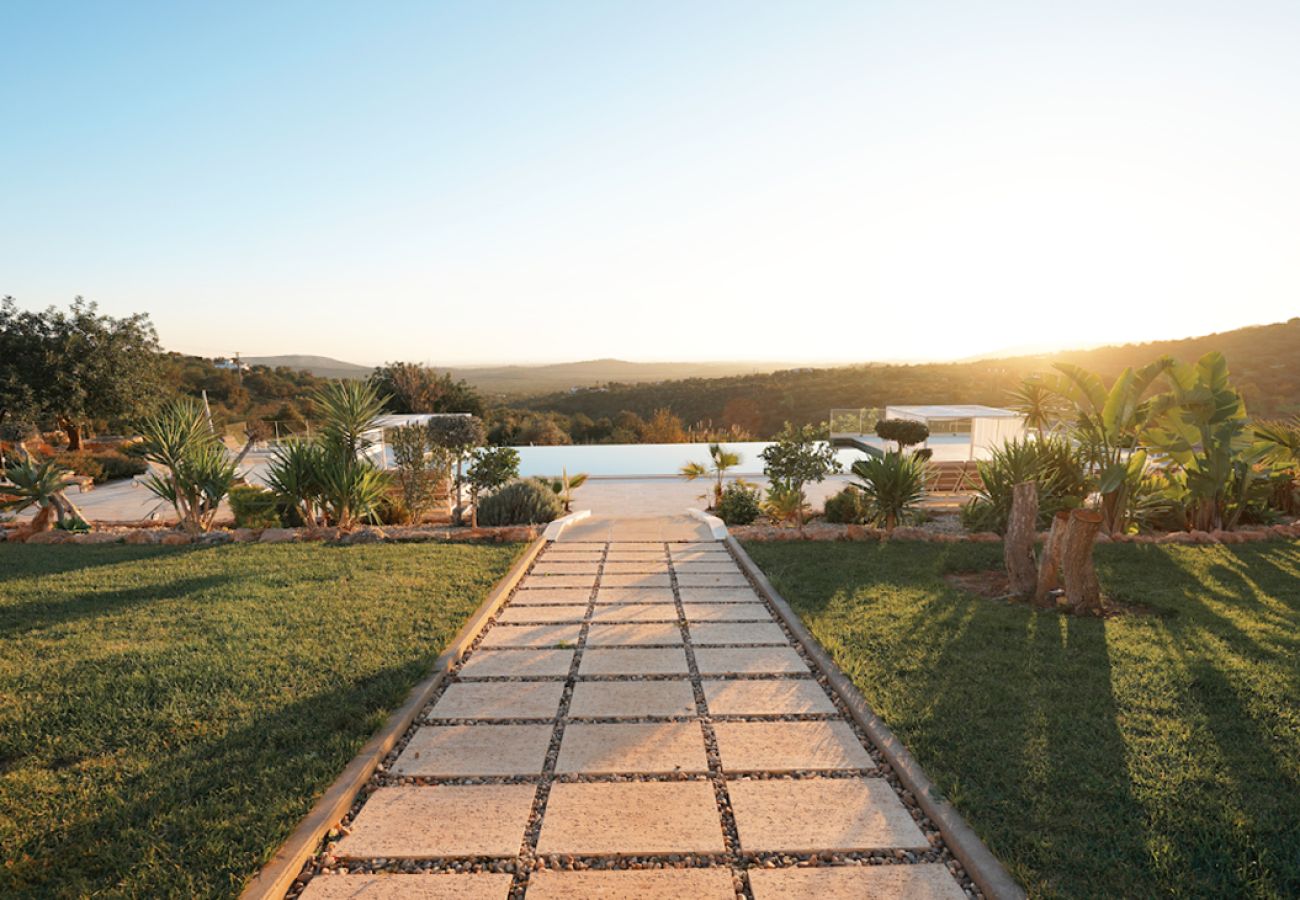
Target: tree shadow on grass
x=38, y=614
x=199, y=821
x=22, y=561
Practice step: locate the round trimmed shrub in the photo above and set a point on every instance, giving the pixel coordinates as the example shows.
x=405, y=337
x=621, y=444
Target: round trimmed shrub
x=904, y=432
x=524, y=502
x=739, y=505
x=846, y=508
x=254, y=506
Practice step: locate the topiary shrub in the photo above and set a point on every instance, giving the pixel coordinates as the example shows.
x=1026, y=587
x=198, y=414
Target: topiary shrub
x=119, y=465
x=525, y=502
x=739, y=505
x=904, y=432
x=82, y=463
x=254, y=506
x=846, y=508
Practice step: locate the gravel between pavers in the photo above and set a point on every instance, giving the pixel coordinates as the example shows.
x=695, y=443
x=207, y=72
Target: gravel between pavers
x=738, y=861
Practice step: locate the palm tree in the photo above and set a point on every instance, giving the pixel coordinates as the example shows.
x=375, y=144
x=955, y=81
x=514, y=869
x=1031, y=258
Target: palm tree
x=1041, y=407
x=721, y=459
x=566, y=485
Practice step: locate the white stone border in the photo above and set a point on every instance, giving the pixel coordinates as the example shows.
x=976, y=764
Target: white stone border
x=556, y=528
x=716, y=525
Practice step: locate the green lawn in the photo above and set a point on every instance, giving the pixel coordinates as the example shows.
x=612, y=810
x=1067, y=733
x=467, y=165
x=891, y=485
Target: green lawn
x=1135, y=757
x=167, y=715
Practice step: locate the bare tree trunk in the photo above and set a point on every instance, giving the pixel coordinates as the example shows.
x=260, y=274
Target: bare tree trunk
x=1081, y=585
x=1018, y=547
x=1049, y=567
x=73, y=431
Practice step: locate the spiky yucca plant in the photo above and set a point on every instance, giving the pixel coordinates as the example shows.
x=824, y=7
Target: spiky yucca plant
x=197, y=471
x=891, y=485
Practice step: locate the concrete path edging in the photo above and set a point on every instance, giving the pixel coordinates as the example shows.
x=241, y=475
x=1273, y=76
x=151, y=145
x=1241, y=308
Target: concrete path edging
x=556, y=528
x=984, y=868
x=277, y=876
x=716, y=525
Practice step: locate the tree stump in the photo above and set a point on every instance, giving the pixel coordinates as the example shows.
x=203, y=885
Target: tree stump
x=1049, y=567
x=1081, y=585
x=1018, y=548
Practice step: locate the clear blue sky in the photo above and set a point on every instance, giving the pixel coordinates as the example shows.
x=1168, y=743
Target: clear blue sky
x=491, y=181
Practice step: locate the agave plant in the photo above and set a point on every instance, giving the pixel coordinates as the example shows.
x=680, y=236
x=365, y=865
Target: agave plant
x=197, y=470
x=41, y=484
x=720, y=460
x=891, y=485
x=1052, y=464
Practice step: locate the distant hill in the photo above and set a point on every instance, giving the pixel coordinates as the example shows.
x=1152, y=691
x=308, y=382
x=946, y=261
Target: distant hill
x=1264, y=361
x=320, y=366
x=541, y=379
x=523, y=380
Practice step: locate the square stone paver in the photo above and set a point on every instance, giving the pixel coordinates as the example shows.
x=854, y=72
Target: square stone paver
x=583, y=556
x=643, y=634
x=693, y=579
x=633, y=661
x=559, y=612
x=531, y=636
x=550, y=596
x=635, y=612
x=644, y=567
x=749, y=661
x=468, y=820
x=659, y=580
x=766, y=697
x=466, y=751
x=634, y=747
x=720, y=595
x=636, y=547
x=696, y=547
x=546, y=568
x=517, y=663
x=789, y=746
x=722, y=567
x=813, y=814
x=609, y=699
x=631, y=818
x=726, y=612
x=634, y=595
x=499, y=700
x=636, y=884
x=923, y=881
x=738, y=633
x=476, y=886
x=636, y=556
x=533, y=582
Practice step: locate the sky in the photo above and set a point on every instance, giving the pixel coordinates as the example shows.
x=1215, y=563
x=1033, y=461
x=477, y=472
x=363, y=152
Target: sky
x=486, y=182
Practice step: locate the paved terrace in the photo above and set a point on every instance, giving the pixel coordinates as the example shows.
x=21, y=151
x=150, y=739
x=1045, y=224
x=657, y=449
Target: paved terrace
x=635, y=723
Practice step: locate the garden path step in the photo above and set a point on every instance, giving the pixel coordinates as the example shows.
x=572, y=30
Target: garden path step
x=636, y=711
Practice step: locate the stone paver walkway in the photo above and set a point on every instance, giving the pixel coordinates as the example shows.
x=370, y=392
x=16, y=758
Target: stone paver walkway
x=636, y=723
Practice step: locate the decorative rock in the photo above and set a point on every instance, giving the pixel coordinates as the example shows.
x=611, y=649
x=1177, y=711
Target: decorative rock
x=1176, y=537
x=1102, y=538
x=986, y=537
x=279, y=536
x=97, y=537
x=909, y=533
x=243, y=535
x=176, y=539
x=213, y=538
x=48, y=537
x=143, y=537
x=367, y=534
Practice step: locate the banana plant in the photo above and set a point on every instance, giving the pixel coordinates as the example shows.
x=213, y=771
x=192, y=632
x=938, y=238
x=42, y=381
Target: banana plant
x=1108, y=422
x=1201, y=426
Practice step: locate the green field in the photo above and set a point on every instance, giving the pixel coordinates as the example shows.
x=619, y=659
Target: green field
x=167, y=715
x=1140, y=756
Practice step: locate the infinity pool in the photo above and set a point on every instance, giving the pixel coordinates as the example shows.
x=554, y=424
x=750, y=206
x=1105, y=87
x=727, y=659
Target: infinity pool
x=645, y=460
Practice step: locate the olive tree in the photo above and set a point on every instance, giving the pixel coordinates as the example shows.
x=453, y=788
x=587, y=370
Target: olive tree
x=490, y=468
x=800, y=455
x=458, y=434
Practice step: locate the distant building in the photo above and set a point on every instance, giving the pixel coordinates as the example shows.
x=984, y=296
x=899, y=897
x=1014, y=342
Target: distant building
x=231, y=365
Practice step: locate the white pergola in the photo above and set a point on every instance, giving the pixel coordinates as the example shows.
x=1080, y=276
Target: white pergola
x=989, y=426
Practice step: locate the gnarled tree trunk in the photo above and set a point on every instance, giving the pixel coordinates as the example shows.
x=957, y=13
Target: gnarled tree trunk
x=1049, y=567
x=1018, y=548
x=1081, y=585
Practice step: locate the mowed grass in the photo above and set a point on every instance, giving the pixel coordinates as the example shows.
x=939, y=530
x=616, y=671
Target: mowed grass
x=1141, y=756
x=167, y=715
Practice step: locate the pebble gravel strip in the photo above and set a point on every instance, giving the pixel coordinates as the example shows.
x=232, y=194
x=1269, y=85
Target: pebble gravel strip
x=666, y=559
